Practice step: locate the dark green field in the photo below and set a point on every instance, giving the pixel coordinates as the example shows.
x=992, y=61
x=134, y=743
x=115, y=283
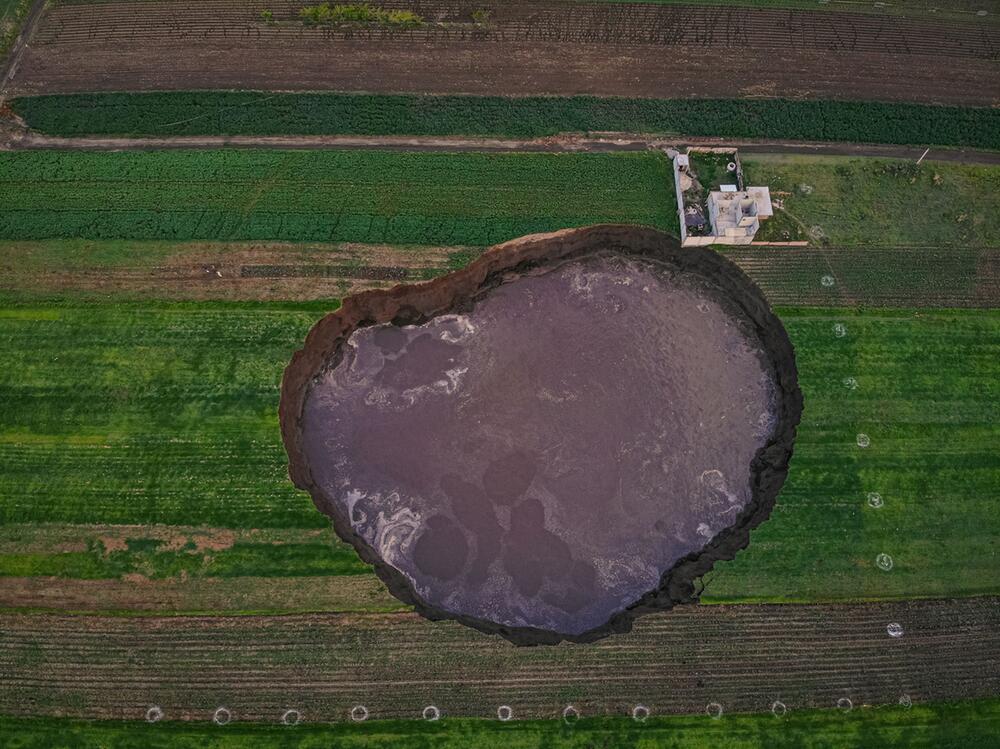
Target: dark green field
x=370, y=196
x=263, y=113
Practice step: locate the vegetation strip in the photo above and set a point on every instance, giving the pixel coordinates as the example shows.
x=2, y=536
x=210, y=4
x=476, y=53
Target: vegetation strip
x=935, y=726
x=262, y=113
x=740, y=657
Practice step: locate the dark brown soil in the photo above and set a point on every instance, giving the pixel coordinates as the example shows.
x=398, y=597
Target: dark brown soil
x=560, y=436
x=530, y=48
x=743, y=657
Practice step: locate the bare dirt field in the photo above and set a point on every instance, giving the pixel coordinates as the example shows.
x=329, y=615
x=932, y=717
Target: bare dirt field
x=742, y=657
x=526, y=48
x=239, y=271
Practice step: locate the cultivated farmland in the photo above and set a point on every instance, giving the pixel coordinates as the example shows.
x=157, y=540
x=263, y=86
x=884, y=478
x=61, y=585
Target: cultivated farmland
x=261, y=113
x=527, y=48
x=744, y=658
x=151, y=414
x=155, y=560
x=403, y=198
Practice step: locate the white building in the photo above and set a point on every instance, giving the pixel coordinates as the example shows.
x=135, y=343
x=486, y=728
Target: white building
x=734, y=215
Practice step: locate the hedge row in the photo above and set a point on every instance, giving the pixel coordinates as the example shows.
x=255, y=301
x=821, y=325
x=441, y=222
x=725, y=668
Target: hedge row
x=256, y=113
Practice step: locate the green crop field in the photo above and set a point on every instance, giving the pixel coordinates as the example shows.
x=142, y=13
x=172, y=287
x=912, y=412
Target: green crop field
x=363, y=196
x=165, y=413
x=263, y=113
x=938, y=726
x=848, y=201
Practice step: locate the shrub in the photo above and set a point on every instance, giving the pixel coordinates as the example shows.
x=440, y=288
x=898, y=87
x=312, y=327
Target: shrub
x=357, y=14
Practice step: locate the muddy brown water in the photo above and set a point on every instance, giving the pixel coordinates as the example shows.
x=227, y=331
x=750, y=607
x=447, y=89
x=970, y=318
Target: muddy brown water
x=541, y=459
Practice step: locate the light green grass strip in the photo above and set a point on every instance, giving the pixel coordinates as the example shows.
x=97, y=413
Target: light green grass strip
x=935, y=726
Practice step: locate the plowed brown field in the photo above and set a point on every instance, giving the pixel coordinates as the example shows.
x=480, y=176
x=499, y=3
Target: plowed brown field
x=743, y=657
x=528, y=48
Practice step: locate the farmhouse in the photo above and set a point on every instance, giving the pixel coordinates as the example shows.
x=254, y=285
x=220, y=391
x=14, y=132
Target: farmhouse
x=713, y=205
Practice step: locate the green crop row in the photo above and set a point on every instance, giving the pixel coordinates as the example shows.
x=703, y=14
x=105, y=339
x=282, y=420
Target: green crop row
x=261, y=113
x=157, y=413
x=935, y=726
x=353, y=196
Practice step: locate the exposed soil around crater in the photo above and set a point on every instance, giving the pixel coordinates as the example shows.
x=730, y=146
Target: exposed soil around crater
x=560, y=436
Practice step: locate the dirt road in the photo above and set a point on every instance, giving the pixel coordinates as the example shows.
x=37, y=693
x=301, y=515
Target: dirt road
x=21, y=140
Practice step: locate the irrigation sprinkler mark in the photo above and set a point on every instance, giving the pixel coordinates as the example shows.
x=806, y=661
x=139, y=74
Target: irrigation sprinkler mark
x=884, y=562
x=154, y=714
x=431, y=713
x=640, y=713
x=570, y=715
x=714, y=710
x=221, y=716
x=827, y=281
x=895, y=629
x=839, y=329
x=875, y=500
x=845, y=704
x=863, y=440
x=291, y=717
x=778, y=709
x=359, y=713
x=505, y=713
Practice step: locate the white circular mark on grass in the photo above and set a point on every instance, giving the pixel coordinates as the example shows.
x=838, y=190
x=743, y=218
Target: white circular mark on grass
x=839, y=329
x=431, y=713
x=221, y=716
x=640, y=713
x=884, y=562
x=827, y=281
x=154, y=714
x=714, y=710
x=778, y=709
x=359, y=713
x=863, y=440
x=291, y=717
x=895, y=629
x=571, y=715
x=850, y=383
x=505, y=713
x=905, y=701
x=875, y=500
x=845, y=704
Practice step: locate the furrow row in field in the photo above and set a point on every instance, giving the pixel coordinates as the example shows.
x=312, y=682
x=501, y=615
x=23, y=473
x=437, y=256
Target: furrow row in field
x=741, y=656
x=621, y=26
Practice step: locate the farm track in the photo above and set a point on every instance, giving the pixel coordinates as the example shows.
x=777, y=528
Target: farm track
x=529, y=48
x=19, y=139
x=743, y=657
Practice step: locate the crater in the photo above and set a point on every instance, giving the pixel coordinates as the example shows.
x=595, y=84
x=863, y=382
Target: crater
x=561, y=436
